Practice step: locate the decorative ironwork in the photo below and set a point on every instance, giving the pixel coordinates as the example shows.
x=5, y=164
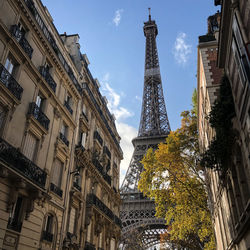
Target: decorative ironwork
x=92, y=199
x=100, y=168
x=76, y=185
x=14, y=225
x=10, y=83
x=98, y=137
x=106, y=151
x=47, y=236
x=68, y=107
x=137, y=211
x=64, y=139
x=36, y=112
x=85, y=116
x=20, y=163
x=51, y=40
x=16, y=32
x=48, y=78
x=89, y=246
x=56, y=189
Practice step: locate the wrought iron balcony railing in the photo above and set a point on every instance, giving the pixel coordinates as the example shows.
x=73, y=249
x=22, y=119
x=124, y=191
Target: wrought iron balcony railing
x=36, y=112
x=10, y=83
x=77, y=186
x=64, y=139
x=48, y=78
x=93, y=200
x=98, y=137
x=106, y=151
x=85, y=116
x=16, y=32
x=20, y=163
x=51, y=40
x=56, y=189
x=47, y=236
x=89, y=246
x=14, y=225
x=99, y=167
x=68, y=107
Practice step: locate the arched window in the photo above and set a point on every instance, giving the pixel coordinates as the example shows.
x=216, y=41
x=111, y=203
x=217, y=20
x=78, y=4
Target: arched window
x=49, y=228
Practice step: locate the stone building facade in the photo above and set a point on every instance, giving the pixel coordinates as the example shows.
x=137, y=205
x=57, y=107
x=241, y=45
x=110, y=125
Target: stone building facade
x=59, y=147
x=224, y=51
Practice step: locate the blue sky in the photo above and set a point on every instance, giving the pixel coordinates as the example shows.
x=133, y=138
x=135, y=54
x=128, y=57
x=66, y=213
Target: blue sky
x=111, y=34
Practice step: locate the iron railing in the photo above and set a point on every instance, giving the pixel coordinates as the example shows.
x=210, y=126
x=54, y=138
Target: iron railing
x=16, y=32
x=14, y=225
x=10, y=83
x=20, y=163
x=93, y=200
x=51, y=40
x=68, y=107
x=47, y=236
x=56, y=189
x=99, y=167
x=98, y=137
x=48, y=78
x=85, y=116
x=36, y=112
x=77, y=186
x=106, y=151
x=64, y=139
x=89, y=246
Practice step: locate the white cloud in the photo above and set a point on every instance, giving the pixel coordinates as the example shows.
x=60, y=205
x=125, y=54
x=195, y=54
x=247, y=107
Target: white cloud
x=126, y=132
x=138, y=98
x=181, y=49
x=117, y=17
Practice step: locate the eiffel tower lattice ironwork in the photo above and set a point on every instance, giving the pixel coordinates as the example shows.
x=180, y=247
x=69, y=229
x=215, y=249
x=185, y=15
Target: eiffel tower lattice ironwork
x=137, y=211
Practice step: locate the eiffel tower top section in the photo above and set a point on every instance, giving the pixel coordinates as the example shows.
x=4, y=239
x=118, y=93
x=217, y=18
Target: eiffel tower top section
x=154, y=119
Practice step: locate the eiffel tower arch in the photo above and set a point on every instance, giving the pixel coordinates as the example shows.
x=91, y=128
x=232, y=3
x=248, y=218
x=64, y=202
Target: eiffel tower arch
x=138, y=212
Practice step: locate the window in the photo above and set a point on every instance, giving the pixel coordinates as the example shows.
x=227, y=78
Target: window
x=64, y=134
x=21, y=29
x=57, y=173
x=82, y=139
x=30, y=146
x=16, y=215
x=10, y=64
x=72, y=220
x=69, y=103
x=40, y=100
x=49, y=228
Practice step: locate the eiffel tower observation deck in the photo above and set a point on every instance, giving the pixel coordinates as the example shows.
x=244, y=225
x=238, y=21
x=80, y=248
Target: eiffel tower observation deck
x=140, y=228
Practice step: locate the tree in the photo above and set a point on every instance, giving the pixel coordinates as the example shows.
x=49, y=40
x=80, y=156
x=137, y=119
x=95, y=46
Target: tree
x=175, y=181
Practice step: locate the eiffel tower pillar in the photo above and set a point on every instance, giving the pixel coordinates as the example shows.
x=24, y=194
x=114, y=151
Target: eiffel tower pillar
x=137, y=211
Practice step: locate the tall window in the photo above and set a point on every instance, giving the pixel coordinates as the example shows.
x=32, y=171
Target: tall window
x=9, y=64
x=16, y=215
x=82, y=139
x=49, y=229
x=30, y=146
x=57, y=173
x=72, y=220
x=40, y=100
x=2, y=116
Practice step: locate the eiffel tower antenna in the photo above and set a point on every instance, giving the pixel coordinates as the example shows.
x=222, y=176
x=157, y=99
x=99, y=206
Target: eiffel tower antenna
x=137, y=212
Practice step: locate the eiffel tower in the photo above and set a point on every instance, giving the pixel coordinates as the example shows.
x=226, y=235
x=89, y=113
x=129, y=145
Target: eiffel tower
x=138, y=212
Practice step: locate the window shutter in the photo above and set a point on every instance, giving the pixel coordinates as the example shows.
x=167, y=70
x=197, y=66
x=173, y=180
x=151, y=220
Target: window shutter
x=57, y=173
x=30, y=146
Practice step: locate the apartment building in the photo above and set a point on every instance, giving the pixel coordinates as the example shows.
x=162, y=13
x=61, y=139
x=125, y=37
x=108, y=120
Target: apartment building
x=59, y=147
x=224, y=52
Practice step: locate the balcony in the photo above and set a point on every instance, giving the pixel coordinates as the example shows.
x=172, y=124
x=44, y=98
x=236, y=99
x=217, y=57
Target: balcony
x=75, y=185
x=36, y=112
x=106, y=151
x=68, y=107
x=64, y=139
x=89, y=246
x=93, y=200
x=98, y=137
x=14, y=225
x=16, y=32
x=10, y=83
x=56, y=189
x=47, y=236
x=48, y=78
x=20, y=163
